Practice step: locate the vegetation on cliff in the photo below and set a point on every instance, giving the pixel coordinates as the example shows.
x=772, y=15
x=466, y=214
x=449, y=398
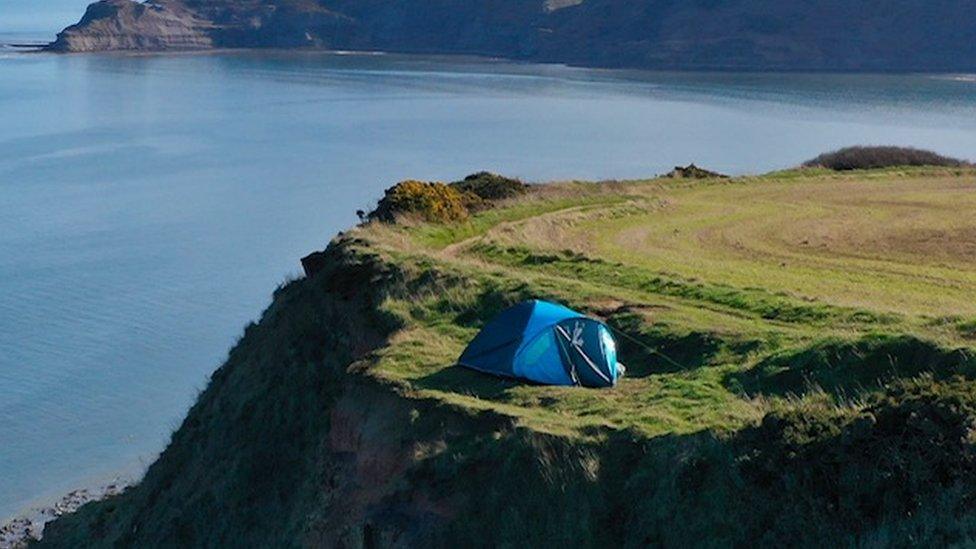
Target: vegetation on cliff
x=490, y=186
x=735, y=34
x=444, y=203
x=868, y=158
x=805, y=376
x=430, y=201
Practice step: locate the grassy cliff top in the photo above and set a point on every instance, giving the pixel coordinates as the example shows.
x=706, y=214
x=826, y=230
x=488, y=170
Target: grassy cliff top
x=797, y=288
x=817, y=390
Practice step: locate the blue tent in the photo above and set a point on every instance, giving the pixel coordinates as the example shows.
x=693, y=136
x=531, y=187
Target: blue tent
x=546, y=343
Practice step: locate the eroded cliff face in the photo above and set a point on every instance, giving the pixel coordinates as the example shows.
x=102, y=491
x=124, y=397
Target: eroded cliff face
x=112, y=25
x=294, y=444
x=499, y=27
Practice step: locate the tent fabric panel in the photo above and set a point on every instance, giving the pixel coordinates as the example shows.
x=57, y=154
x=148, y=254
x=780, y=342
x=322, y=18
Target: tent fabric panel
x=544, y=316
x=546, y=343
x=495, y=361
x=541, y=360
x=493, y=349
x=583, y=341
x=609, y=350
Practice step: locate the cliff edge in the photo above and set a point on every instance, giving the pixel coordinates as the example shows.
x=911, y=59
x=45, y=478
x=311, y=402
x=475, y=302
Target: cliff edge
x=809, y=406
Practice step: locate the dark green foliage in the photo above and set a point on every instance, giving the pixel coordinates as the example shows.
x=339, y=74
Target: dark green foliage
x=490, y=186
x=538, y=492
x=661, y=349
x=967, y=329
x=908, y=453
x=902, y=471
x=847, y=368
x=244, y=469
x=866, y=158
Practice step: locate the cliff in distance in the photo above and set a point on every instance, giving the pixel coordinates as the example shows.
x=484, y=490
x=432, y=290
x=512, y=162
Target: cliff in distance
x=844, y=35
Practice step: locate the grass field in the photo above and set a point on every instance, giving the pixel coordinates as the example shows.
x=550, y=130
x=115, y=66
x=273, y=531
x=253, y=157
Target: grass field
x=804, y=377
x=756, y=292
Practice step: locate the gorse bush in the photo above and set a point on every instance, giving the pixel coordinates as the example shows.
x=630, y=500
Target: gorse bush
x=435, y=202
x=440, y=203
x=864, y=158
x=490, y=186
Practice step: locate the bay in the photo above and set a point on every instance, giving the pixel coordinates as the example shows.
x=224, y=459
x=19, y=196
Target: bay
x=150, y=204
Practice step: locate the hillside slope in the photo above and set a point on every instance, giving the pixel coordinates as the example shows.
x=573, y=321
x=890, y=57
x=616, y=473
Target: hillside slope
x=920, y=35
x=811, y=381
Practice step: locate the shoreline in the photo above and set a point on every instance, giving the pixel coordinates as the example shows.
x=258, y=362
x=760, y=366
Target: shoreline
x=41, y=47
x=704, y=69
x=960, y=76
x=29, y=525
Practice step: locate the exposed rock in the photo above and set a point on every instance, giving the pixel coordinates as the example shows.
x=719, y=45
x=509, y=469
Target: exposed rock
x=20, y=530
x=167, y=25
x=111, y=25
x=692, y=171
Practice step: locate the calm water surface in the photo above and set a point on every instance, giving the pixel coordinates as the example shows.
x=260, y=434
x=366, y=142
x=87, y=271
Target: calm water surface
x=149, y=205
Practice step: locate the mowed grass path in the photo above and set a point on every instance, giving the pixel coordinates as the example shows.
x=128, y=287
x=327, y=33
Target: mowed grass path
x=901, y=244
x=756, y=290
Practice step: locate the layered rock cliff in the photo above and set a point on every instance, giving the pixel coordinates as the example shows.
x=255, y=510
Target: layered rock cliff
x=739, y=34
x=127, y=25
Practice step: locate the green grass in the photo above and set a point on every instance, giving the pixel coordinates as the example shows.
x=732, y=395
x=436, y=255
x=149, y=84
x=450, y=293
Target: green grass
x=696, y=271
x=777, y=307
x=442, y=235
x=804, y=377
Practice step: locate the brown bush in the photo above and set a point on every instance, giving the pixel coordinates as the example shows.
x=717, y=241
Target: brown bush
x=435, y=202
x=865, y=158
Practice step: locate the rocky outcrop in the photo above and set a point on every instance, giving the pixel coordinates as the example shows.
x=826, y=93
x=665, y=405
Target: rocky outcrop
x=111, y=25
x=692, y=171
x=29, y=526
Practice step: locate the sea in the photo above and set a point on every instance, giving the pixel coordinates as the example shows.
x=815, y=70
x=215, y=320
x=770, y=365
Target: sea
x=150, y=204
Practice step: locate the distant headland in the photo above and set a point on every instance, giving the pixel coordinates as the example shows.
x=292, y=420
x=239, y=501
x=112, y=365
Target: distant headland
x=790, y=35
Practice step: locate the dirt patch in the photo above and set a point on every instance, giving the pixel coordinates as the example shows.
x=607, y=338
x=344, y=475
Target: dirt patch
x=949, y=244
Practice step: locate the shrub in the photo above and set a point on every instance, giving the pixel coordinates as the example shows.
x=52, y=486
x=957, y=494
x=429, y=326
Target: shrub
x=904, y=462
x=864, y=158
x=431, y=201
x=490, y=186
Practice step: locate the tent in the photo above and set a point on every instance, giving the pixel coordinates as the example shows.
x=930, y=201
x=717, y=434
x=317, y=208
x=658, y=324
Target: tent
x=546, y=343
